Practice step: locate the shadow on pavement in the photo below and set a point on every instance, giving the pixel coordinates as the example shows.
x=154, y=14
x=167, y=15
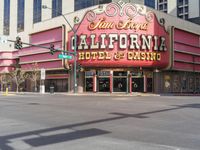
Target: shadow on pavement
x=57, y=138
x=51, y=139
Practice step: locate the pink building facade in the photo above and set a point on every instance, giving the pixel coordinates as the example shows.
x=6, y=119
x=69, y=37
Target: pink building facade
x=126, y=50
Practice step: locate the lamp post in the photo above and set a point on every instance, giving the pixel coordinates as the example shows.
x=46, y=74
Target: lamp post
x=75, y=40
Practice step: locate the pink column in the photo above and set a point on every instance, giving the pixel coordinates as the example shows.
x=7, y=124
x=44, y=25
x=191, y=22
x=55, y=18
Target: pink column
x=95, y=83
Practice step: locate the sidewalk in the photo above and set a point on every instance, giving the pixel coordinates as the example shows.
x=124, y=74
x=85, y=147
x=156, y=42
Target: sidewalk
x=100, y=94
x=110, y=94
x=82, y=94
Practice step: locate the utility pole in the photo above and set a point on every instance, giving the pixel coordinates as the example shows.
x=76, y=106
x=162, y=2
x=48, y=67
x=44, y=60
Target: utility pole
x=75, y=44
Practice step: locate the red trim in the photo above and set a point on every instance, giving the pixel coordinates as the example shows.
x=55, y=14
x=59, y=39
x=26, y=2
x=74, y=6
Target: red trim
x=45, y=30
x=58, y=76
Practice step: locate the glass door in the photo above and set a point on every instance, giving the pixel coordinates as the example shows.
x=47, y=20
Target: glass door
x=120, y=81
x=89, y=81
x=137, y=84
x=103, y=81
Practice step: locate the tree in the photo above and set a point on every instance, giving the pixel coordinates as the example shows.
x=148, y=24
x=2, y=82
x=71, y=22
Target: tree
x=18, y=76
x=5, y=79
x=34, y=75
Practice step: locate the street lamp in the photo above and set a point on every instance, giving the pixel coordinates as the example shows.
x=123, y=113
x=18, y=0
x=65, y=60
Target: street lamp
x=75, y=40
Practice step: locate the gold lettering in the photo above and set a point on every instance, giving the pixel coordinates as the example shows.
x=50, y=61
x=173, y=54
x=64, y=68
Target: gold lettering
x=93, y=55
x=158, y=56
x=147, y=56
x=101, y=55
x=130, y=24
x=143, y=56
x=81, y=56
x=87, y=55
x=136, y=56
x=108, y=57
x=101, y=24
x=130, y=55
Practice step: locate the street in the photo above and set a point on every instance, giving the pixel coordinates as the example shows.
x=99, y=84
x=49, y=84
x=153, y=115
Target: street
x=67, y=122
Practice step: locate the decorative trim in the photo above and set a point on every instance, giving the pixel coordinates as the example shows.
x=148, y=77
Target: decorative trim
x=47, y=69
x=57, y=76
x=185, y=70
x=8, y=58
x=188, y=62
x=187, y=44
x=39, y=61
x=43, y=30
x=43, y=44
x=29, y=54
x=2, y=65
x=190, y=53
x=121, y=8
x=162, y=21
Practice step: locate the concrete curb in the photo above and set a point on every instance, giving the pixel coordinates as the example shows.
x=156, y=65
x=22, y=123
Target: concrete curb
x=80, y=94
x=98, y=94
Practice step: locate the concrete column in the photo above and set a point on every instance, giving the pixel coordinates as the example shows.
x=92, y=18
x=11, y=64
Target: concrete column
x=145, y=83
x=71, y=81
x=95, y=83
x=1, y=16
x=130, y=82
x=111, y=81
x=157, y=85
x=46, y=13
x=42, y=87
x=81, y=79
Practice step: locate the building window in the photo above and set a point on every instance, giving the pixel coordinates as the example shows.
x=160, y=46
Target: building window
x=37, y=7
x=104, y=1
x=20, y=16
x=180, y=11
x=186, y=17
x=165, y=6
x=162, y=5
x=56, y=8
x=6, y=22
x=180, y=2
x=150, y=3
x=186, y=9
x=181, y=16
x=80, y=4
x=186, y=2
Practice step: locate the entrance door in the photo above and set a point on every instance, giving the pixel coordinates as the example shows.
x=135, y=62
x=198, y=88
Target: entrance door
x=119, y=84
x=149, y=85
x=104, y=84
x=60, y=85
x=120, y=81
x=89, y=84
x=138, y=84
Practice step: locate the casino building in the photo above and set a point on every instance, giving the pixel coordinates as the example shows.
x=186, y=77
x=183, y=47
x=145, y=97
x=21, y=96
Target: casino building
x=121, y=47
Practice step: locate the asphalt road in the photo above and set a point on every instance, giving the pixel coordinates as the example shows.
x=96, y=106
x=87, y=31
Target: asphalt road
x=64, y=122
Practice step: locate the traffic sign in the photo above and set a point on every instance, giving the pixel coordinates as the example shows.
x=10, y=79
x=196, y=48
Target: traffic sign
x=62, y=56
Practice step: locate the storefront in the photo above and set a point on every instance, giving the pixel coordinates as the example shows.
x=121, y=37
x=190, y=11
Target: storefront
x=119, y=48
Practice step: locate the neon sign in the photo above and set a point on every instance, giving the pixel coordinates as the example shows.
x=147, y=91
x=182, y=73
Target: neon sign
x=123, y=34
